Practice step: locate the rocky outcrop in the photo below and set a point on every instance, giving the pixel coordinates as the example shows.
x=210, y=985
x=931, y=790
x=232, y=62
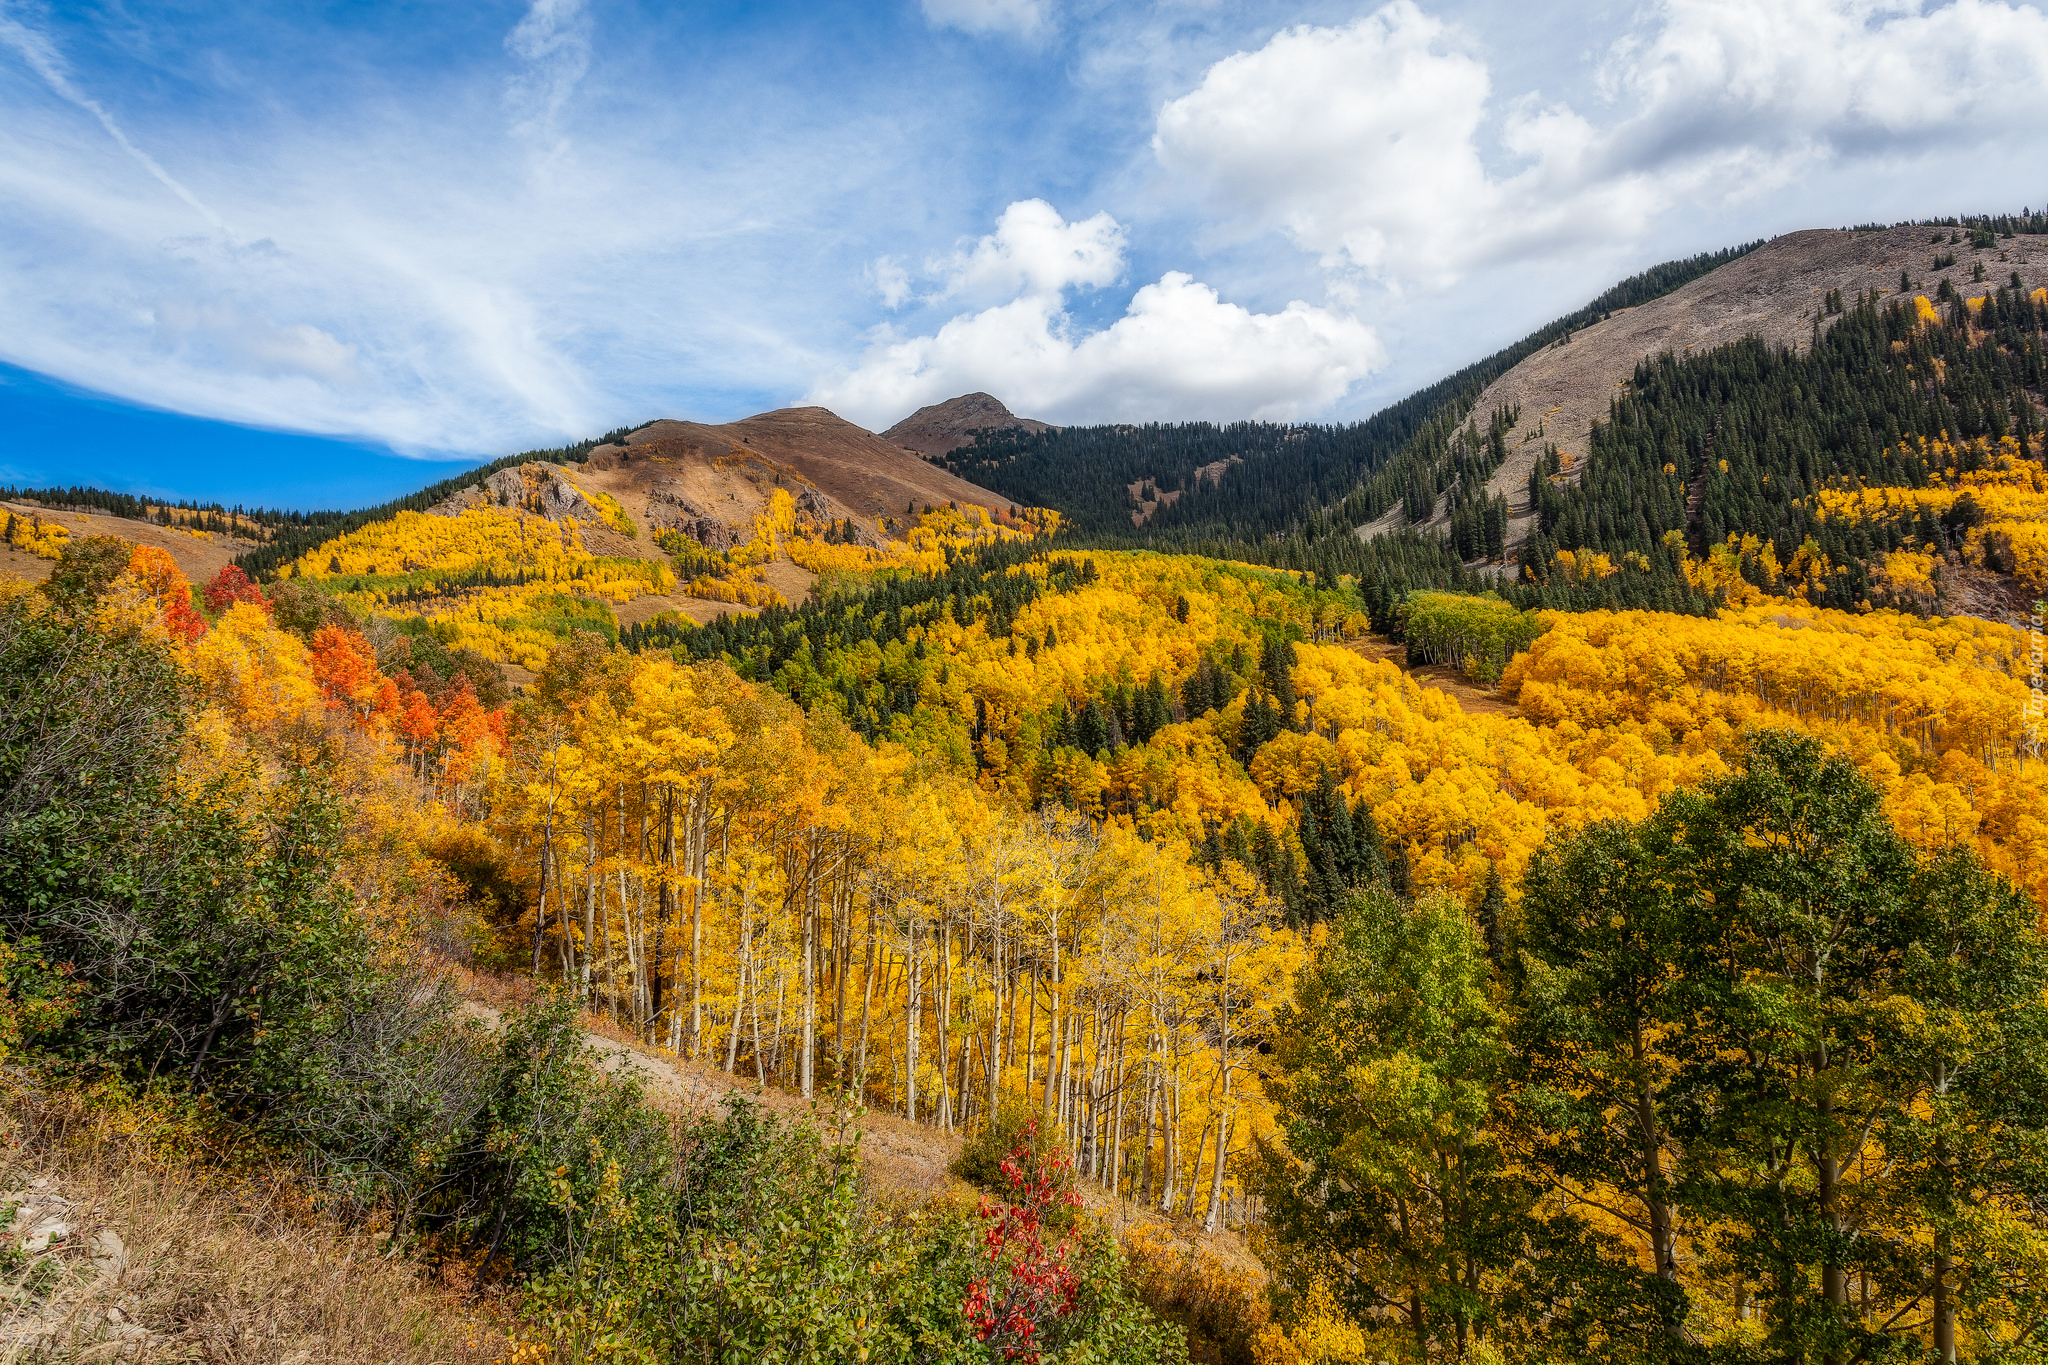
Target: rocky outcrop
x=815, y=506
x=540, y=489
x=67, y=1280
x=668, y=509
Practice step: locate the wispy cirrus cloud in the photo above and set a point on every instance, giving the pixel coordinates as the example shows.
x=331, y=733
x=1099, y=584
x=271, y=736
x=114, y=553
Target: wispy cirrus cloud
x=1021, y=18
x=41, y=56
x=552, y=45
x=438, y=265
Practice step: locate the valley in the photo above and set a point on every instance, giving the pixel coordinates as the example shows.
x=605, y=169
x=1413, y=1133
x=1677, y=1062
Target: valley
x=1576, y=838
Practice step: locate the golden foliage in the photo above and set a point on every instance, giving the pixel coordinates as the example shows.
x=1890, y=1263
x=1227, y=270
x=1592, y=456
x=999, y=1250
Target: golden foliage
x=608, y=508
x=1583, y=565
x=1932, y=711
x=782, y=530
x=501, y=582
x=2010, y=490
x=45, y=539
x=421, y=549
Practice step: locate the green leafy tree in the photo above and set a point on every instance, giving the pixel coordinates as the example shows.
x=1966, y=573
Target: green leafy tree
x=1393, y=1179
x=85, y=569
x=1849, y=1059
x=1597, y=1010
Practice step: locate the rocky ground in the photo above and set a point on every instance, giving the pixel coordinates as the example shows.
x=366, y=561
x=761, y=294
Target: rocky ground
x=107, y=1254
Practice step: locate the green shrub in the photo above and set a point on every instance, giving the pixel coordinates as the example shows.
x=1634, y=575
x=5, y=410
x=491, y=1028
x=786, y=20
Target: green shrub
x=762, y=1247
x=991, y=1140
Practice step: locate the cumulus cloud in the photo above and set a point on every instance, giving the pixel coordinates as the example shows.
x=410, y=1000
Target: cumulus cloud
x=890, y=279
x=1369, y=143
x=1357, y=141
x=1024, y=18
x=1034, y=251
x=1855, y=77
x=1179, y=352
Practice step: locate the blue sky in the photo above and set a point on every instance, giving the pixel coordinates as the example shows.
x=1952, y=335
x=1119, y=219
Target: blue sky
x=312, y=254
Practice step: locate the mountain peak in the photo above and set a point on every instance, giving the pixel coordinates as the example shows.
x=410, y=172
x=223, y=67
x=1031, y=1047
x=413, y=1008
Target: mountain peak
x=939, y=428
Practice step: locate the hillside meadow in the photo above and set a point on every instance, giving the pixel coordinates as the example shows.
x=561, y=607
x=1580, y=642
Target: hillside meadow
x=1136, y=869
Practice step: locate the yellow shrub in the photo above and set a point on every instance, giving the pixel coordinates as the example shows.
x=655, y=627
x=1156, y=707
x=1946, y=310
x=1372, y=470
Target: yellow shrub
x=614, y=515
x=746, y=592
x=45, y=539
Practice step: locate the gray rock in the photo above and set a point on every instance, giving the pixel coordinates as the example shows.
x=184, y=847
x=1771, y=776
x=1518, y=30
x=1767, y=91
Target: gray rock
x=109, y=1253
x=669, y=509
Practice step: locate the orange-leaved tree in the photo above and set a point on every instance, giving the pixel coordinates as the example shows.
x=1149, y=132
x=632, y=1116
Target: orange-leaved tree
x=155, y=576
x=230, y=586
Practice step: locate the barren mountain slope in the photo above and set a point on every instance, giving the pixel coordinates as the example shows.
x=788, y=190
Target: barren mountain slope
x=1772, y=292
x=709, y=482
x=942, y=427
x=706, y=481
x=727, y=473
x=198, y=557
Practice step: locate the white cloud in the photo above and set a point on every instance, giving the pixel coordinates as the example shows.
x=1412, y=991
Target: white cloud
x=1855, y=77
x=1358, y=142
x=1025, y=18
x=442, y=238
x=552, y=42
x=890, y=280
x=1034, y=251
x=1179, y=352
x=404, y=268
x=219, y=330
x=1367, y=143
x=42, y=57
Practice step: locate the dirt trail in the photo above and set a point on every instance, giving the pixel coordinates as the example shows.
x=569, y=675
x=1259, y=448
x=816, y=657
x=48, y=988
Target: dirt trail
x=897, y=1155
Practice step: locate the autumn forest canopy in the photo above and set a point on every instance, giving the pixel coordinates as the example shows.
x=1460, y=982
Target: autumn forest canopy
x=1323, y=899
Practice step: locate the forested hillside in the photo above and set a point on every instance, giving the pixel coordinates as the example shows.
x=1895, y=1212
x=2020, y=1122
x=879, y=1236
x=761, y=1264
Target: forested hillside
x=1678, y=999
x=1113, y=846
x=1249, y=480
x=1797, y=425
x=1788, y=451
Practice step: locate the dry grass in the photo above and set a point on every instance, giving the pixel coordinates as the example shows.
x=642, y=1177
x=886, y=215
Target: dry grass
x=161, y=1261
x=1216, y=1292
